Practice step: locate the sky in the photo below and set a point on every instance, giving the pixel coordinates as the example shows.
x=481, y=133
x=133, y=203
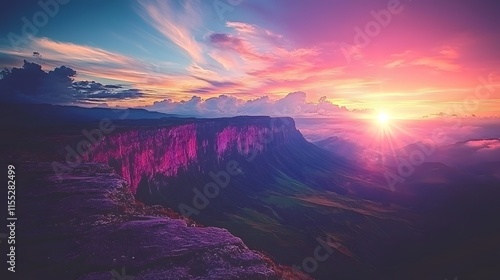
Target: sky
x=409, y=58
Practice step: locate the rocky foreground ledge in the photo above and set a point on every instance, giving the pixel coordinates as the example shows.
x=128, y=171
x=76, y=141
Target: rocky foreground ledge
x=90, y=227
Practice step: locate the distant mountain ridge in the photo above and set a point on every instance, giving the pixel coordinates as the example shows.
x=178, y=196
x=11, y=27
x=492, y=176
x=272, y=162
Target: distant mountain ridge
x=52, y=115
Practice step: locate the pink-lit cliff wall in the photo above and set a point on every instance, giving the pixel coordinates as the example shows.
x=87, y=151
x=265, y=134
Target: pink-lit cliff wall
x=146, y=151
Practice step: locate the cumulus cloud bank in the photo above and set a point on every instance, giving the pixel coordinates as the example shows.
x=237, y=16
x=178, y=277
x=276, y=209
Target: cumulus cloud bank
x=293, y=104
x=30, y=83
x=470, y=152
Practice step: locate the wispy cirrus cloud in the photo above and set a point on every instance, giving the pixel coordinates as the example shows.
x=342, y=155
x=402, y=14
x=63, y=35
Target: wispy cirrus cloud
x=97, y=64
x=176, y=25
x=266, y=63
x=173, y=49
x=443, y=59
x=89, y=61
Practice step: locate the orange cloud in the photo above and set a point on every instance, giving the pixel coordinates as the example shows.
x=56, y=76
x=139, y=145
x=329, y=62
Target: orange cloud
x=93, y=63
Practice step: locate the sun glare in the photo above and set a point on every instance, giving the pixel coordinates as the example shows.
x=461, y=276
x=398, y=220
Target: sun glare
x=383, y=118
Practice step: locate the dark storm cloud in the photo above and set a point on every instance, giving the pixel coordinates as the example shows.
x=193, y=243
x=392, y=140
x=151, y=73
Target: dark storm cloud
x=31, y=83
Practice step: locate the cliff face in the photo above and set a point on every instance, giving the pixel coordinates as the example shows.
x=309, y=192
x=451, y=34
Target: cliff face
x=95, y=230
x=141, y=153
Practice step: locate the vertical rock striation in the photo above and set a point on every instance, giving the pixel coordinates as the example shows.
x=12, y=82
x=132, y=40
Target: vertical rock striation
x=143, y=152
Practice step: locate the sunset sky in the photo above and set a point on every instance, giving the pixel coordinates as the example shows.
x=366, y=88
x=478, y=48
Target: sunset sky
x=422, y=57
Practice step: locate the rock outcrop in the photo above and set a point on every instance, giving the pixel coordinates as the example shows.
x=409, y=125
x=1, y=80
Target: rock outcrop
x=93, y=229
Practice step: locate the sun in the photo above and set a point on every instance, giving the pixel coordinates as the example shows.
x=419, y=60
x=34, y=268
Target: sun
x=383, y=118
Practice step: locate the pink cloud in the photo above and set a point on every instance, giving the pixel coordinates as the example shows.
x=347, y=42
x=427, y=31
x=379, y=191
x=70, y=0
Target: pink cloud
x=449, y=52
x=176, y=27
x=443, y=59
x=293, y=104
x=489, y=144
x=89, y=62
